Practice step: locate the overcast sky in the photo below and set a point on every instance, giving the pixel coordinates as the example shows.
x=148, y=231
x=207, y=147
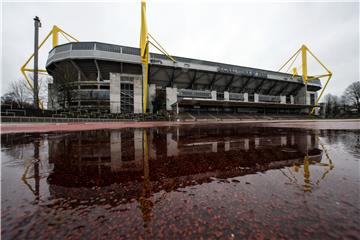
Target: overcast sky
x=260, y=34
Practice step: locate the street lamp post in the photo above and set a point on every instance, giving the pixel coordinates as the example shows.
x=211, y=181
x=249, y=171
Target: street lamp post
x=37, y=25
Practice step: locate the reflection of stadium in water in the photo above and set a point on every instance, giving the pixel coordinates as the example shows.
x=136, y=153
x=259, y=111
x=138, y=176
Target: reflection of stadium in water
x=178, y=174
x=122, y=166
x=100, y=158
x=133, y=164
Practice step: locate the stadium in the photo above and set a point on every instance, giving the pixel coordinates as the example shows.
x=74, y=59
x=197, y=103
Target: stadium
x=109, y=78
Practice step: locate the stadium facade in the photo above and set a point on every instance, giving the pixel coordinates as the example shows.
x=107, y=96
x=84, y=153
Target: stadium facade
x=100, y=76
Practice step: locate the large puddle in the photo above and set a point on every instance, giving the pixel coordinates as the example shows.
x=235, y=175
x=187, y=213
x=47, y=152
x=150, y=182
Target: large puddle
x=189, y=182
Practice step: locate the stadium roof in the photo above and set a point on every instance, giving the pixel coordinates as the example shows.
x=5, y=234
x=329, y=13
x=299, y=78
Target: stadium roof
x=184, y=73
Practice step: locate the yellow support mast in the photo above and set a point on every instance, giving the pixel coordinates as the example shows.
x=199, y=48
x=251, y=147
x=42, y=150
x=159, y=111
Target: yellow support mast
x=144, y=52
x=55, y=31
x=304, y=65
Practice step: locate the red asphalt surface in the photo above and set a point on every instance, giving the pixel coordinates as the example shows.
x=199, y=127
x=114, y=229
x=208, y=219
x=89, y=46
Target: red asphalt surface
x=83, y=126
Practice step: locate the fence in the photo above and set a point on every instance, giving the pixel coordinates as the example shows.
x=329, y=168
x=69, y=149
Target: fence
x=35, y=115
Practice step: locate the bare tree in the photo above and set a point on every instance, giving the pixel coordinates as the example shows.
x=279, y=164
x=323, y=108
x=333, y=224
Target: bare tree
x=43, y=90
x=7, y=99
x=19, y=94
x=52, y=97
x=343, y=102
x=352, y=94
x=332, y=104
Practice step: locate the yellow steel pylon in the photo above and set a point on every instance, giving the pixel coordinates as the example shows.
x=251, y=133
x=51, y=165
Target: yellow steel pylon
x=55, y=31
x=144, y=52
x=304, y=69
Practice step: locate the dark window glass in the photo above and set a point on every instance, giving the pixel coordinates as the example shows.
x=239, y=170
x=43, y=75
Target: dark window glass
x=312, y=99
x=219, y=96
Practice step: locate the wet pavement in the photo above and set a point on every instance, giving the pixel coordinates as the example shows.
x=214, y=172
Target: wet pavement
x=83, y=126
x=222, y=181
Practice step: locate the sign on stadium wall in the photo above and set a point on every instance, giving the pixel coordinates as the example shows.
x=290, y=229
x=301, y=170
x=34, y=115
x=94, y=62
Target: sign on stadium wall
x=242, y=72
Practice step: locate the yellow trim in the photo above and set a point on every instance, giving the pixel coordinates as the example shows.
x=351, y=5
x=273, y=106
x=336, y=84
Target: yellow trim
x=55, y=41
x=304, y=63
x=295, y=71
x=319, y=61
x=160, y=48
x=321, y=93
x=146, y=69
x=304, y=66
x=307, y=181
x=298, y=53
x=32, y=70
x=144, y=52
x=289, y=60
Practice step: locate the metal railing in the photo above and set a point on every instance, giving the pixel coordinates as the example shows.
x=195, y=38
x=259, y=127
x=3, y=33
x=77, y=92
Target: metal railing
x=106, y=118
x=236, y=96
x=269, y=98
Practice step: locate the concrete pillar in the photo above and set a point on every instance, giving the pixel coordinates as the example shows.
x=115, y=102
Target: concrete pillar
x=213, y=95
x=152, y=94
x=283, y=99
x=292, y=100
x=246, y=97
x=257, y=142
x=256, y=97
x=139, y=147
x=171, y=97
x=115, y=151
x=307, y=98
x=246, y=144
x=227, y=146
x=214, y=147
x=302, y=143
x=138, y=97
x=172, y=146
x=317, y=111
x=152, y=145
x=308, y=94
x=115, y=92
x=226, y=96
